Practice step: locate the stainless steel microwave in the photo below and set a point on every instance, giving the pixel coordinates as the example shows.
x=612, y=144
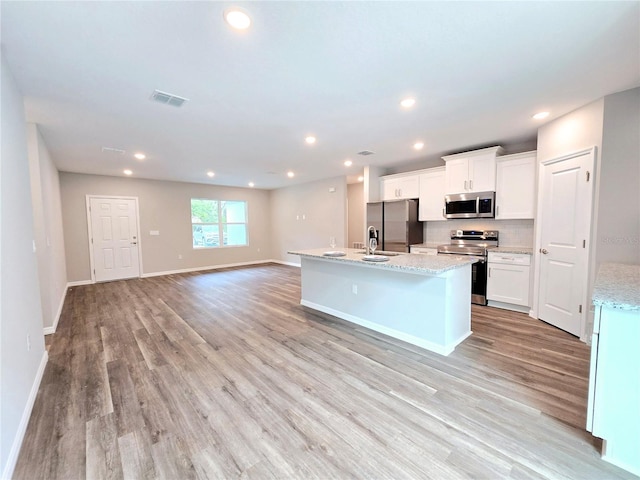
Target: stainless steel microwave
x=470, y=205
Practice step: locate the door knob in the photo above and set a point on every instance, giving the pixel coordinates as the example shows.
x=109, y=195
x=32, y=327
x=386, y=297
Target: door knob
x=134, y=243
x=544, y=251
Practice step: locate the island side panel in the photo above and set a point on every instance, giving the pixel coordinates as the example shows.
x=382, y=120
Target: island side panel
x=432, y=312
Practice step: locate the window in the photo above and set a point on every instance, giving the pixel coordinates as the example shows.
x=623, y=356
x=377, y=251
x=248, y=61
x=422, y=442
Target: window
x=211, y=218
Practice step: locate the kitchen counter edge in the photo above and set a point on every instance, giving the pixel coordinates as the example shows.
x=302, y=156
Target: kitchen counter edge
x=425, y=264
x=617, y=286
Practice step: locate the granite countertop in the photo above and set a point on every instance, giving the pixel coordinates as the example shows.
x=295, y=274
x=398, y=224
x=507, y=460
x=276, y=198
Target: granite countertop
x=617, y=286
x=421, y=264
x=521, y=250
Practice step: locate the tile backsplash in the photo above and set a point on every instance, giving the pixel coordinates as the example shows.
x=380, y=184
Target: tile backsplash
x=513, y=233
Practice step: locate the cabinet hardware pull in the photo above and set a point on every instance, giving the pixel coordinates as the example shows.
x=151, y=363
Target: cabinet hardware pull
x=465, y=184
x=470, y=184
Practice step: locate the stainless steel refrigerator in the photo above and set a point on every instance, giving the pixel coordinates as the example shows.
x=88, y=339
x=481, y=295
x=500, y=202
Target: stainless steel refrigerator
x=396, y=223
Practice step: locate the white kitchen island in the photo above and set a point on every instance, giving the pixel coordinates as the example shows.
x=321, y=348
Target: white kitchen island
x=424, y=300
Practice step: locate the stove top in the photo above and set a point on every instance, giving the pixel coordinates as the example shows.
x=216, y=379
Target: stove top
x=470, y=242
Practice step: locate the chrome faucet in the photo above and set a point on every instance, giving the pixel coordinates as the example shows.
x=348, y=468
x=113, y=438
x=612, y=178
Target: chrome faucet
x=369, y=230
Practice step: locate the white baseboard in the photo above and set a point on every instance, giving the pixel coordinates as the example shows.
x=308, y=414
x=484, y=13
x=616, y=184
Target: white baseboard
x=282, y=262
x=200, y=269
x=79, y=283
x=405, y=337
x=52, y=329
x=24, y=421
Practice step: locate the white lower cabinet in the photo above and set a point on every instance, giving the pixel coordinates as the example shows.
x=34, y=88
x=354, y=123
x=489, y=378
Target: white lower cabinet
x=613, y=411
x=508, y=281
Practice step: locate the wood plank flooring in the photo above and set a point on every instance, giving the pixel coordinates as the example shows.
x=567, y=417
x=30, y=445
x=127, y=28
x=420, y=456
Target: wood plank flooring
x=224, y=375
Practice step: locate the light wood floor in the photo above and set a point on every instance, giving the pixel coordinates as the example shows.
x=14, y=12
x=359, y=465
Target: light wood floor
x=224, y=375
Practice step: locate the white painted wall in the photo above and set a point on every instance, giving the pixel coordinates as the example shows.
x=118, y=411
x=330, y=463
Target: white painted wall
x=618, y=220
x=355, y=213
x=47, y=213
x=166, y=207
x=612, y=125
x=21, y=313
x=305, y=216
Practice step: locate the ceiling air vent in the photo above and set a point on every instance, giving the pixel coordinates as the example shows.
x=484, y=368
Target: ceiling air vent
x=366, y=152
x=112, y=150
x=168, y=98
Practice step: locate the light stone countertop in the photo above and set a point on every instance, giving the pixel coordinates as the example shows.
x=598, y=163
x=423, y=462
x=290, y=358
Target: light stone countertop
x=617, y=286
x=521, y=250
x=421, y=264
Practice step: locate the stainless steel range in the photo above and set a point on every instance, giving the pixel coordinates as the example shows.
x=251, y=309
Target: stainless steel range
x=476, y=243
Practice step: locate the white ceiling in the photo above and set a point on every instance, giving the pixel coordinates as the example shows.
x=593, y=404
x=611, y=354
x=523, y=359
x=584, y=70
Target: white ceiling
x=478, y=70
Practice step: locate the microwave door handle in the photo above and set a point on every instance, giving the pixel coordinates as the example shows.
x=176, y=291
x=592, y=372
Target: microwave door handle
x=478, y=206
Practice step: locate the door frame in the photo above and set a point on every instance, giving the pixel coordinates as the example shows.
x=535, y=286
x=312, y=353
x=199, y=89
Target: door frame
x=89, y=232
x=589, y=251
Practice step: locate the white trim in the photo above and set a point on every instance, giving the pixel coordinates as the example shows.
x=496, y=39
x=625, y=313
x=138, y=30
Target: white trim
x=508, y=306
x=24, y=421
x=405, y=337
x=282, y=262
x=209, y=267
x=80, y=282
x=52, y=329
x=89, y=232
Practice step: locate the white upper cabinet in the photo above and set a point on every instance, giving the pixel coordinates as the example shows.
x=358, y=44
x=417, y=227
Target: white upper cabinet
x=471, y=172
x=400, y=186
x=431, y=204
x=516, y=186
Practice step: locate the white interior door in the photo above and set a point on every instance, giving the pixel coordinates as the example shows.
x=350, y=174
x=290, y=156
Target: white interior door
x=114, y=237
x=565, y=219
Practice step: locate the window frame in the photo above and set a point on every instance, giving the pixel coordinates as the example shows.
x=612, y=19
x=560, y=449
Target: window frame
x=220, y=224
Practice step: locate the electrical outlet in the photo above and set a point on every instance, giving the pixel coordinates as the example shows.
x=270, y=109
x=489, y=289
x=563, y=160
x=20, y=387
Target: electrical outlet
x=354, y=289
x=179, y=256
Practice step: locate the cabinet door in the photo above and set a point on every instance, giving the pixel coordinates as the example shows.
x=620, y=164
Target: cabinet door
x=389, y=188
x=457, y=175
x=409, y=187
x=432, y=192
x=516, y=188
x=508, y=284
x=482, y=173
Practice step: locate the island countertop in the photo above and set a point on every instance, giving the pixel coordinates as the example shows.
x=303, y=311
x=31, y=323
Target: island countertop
x=406, y=262
x=617, y=286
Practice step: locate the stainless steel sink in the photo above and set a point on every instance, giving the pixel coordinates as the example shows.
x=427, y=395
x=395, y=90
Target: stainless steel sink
x=375, y=258
x=381, y=252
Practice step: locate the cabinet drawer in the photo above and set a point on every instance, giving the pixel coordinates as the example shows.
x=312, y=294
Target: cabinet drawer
x=509, y=258
x=424, y=250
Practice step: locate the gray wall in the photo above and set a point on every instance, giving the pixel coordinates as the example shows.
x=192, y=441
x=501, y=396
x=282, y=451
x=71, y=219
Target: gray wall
x=355, y=213
x=47, y=213
x=20, y=310
x=305, y=216
x=164, y=206
x=618, y=220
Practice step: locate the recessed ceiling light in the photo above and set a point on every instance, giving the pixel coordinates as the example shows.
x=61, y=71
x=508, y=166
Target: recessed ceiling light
x=140, y=156
x=128, y=172
x=541, y=115
x=418, y=145
x=348, y=163
x=290, y=174
x=361, y=178
x=310, y=139
x=210, y=174
x=408, y=102
x=251, y=184
x=237, y=17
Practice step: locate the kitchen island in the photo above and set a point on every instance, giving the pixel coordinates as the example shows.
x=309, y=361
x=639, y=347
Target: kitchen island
x=420, y=299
